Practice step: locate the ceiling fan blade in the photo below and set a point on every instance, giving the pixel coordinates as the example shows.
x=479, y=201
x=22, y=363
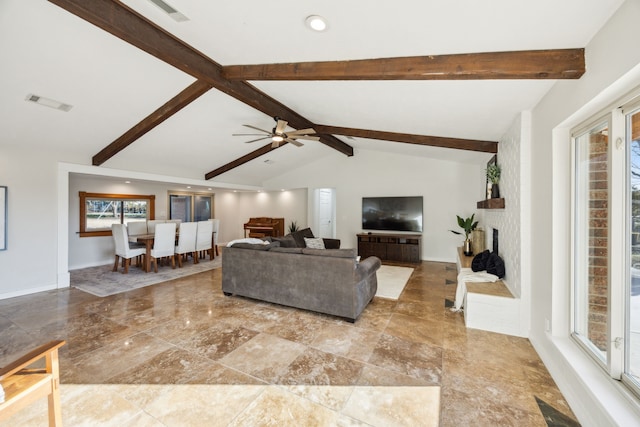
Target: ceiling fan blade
x=307, y=137
x=246, y=134
x=259, y=139
x=281, y=126
x=261, y=130
x=294, y=142
x=275, y=144
x=302, y=132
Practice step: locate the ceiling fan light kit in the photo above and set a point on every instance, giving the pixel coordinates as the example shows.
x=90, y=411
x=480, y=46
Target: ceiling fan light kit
x=279, y=136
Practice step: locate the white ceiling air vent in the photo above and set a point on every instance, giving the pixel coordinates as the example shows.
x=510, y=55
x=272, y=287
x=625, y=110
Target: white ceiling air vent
x=169, y=10
x=49, y=103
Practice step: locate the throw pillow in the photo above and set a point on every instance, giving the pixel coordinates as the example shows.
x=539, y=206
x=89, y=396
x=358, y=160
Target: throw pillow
x=331, y=243
x=479, y=262
x=300, y=235
x=495, y=265
x=314, y=242
x=286, y=241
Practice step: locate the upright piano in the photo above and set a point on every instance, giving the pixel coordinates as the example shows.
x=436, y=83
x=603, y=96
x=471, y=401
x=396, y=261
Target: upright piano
x=262, y=227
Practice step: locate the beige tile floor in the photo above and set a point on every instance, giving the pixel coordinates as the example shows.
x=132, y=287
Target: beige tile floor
x=182, y=354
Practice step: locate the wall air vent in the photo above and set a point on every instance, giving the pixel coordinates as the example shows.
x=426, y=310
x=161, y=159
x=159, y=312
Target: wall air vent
x=169, y=10
x=49, y=102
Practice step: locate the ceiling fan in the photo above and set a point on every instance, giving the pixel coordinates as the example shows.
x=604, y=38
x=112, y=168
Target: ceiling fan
x=278, y=134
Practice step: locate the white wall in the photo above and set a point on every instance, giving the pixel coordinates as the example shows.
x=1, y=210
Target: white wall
x=613, y=67
x=513, y=221
x=29, y=263
x=448, y=188
x=235, y=208
x=507, y=220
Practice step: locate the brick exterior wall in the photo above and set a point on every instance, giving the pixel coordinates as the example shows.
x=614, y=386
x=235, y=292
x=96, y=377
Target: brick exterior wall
x=598, y=240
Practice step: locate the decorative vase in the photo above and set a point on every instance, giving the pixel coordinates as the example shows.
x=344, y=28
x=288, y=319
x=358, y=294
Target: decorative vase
x=467, y=247
x=477, y=240
x=488, y=189
x=495, y=191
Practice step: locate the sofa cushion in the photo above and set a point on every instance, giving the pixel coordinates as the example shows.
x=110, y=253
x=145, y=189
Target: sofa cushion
x=285, y=241
x=314, y=242
x=288, y=250
x=335, y=253
x=300, y=235
x=256, y=247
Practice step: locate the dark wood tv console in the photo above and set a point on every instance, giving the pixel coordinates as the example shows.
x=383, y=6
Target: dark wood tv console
x=391, y=247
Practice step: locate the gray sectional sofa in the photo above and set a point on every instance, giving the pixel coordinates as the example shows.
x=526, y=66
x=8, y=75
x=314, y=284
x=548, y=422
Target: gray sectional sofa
x=329, y=281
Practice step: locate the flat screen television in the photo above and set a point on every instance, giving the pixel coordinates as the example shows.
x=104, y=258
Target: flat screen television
x=392, y=213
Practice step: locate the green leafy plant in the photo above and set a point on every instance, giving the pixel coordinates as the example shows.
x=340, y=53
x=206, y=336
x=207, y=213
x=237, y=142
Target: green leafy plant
x=293, y=227
x=467, y=225
x=493, y=173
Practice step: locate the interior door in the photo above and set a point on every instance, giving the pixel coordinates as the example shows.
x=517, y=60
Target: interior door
x=325, y=212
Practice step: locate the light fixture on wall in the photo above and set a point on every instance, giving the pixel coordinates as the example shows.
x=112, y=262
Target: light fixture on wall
x=316, y=23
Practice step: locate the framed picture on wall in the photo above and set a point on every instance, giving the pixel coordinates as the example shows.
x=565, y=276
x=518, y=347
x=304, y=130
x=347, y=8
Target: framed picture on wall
x=3, y=218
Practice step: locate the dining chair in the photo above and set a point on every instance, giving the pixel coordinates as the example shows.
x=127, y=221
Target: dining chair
x=123, y=250
x=177, y=221
x=187, y=242
x=164, y=243
x=136, y=227
x=216, y=229
x=151, y=225
x=204, y=239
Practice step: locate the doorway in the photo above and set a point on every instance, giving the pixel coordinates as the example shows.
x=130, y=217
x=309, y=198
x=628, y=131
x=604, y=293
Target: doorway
x=325, y=212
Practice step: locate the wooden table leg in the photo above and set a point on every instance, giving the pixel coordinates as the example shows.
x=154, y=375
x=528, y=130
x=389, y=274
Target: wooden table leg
x=147, y=258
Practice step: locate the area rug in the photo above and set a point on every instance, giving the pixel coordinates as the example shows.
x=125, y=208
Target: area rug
x=101, y=281
x=392, y=280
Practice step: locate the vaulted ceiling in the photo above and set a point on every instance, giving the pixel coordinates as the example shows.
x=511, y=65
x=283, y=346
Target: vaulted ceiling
x=155, y=95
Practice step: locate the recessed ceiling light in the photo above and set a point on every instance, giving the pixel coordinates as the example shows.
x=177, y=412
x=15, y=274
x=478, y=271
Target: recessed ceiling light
x=47, y=102
x=127, y=182
x=209, y=188
x=188, y=186
x=316, y=23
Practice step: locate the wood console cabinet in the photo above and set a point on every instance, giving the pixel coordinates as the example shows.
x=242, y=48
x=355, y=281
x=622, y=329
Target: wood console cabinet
x=391, y=247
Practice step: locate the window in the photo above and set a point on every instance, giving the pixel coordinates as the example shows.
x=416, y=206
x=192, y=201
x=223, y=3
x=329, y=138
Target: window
x=591, y=239
x=606, y=241
x=631, y=374
x=190, y=206
x=99, y=211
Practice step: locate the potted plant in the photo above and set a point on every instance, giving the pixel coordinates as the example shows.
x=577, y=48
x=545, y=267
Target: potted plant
x=493, y=175
x=468, y=225
x=293, y=227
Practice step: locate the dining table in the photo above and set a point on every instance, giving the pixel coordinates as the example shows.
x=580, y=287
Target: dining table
x=148, y=240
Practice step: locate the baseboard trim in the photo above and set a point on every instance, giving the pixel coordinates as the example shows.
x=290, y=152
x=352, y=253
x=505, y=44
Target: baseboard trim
x=29, y=291
x=596, y=399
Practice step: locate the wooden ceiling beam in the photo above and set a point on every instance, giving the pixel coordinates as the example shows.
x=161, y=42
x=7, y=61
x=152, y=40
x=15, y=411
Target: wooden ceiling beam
x=528, y=64
x=177, y=103
x=126, y=24
x=242, y=160
x=433, y=141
